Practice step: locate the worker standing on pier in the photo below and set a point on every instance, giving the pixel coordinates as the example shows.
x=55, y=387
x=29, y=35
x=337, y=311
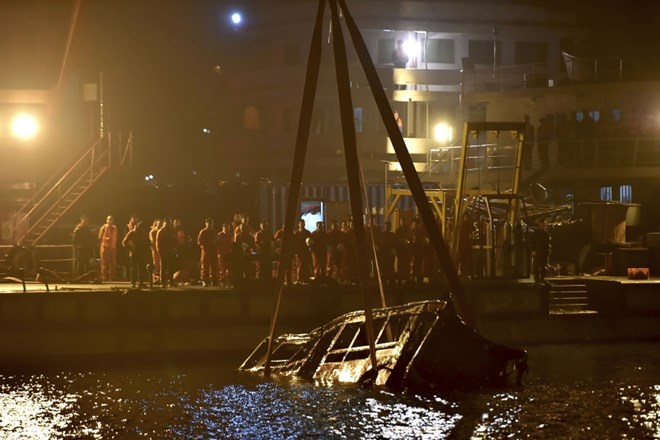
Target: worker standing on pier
x=137, y=243
x=263, y=241
x=83, y=243
x=108, y=238
x=155, y=256
x=224, y=244
x=207, y=240
x=318, y=246
x=301, y=245
x=166, y=244
x=541, y=245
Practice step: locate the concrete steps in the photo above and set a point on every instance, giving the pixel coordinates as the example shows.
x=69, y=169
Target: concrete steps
x=568, y=297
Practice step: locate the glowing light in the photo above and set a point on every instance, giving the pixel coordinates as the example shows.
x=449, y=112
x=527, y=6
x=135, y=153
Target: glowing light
x=24, y=126
x=443, y=133
x=412, y=48
x=236, y=18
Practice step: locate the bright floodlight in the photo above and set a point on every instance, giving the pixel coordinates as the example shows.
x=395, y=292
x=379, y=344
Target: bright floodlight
x=236, y=18
x=412, y=48
x=24, y=126
x=442, y=133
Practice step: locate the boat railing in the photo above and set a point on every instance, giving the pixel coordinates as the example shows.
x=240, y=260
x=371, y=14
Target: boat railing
x=483, y=78
x=569, y=153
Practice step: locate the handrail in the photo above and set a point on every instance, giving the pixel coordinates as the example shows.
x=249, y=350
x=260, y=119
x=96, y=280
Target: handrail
x=584, y=153
x=38, y=195
x=50, y=188
x=48, y=210
x=53, y=200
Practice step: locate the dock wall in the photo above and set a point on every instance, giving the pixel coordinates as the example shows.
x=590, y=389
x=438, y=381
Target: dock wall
x=59, y=326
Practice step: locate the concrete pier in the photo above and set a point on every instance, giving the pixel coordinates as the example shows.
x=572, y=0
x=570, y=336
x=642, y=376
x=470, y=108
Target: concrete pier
x=111, y=322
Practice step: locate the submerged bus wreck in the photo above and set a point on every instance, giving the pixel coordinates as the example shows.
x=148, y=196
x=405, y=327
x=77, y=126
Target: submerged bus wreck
x=422, y=346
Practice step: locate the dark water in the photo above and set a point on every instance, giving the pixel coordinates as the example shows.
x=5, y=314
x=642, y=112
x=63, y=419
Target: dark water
x=576, y=392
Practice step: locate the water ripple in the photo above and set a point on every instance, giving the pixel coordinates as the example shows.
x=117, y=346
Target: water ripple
x=593, y=392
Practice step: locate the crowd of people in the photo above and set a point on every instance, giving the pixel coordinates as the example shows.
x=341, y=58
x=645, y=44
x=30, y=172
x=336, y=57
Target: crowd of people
x=165, y=254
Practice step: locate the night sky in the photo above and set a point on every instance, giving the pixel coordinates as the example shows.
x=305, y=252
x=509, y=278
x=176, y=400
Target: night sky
x=158, y=58
x=158, y=62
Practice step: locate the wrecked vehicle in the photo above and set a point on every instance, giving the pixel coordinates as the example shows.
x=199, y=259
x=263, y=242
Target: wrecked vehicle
x=422, y=346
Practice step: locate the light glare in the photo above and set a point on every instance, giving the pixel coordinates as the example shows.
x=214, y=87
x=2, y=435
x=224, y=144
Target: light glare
x=24, y=126
x=442, y=133
x=412, y=48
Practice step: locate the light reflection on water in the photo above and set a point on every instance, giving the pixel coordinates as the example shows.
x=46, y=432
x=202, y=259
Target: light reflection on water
x=596, y=391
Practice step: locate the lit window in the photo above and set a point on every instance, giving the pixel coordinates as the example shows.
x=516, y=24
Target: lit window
x=625, y=193
x=440, y=51
x=357, y=117
x=606, y=193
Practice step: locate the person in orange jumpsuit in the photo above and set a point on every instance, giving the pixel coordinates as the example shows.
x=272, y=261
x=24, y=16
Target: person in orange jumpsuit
x=207, y=241
x=155, y=256
x=224, y=244
x=108, y=251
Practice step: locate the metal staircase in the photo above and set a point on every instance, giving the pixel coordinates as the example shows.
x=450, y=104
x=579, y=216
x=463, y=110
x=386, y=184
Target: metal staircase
x=65, y=187
x=568, y=297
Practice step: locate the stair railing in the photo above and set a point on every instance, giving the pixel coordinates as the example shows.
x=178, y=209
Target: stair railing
x=93, y=160
x=51, y=214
